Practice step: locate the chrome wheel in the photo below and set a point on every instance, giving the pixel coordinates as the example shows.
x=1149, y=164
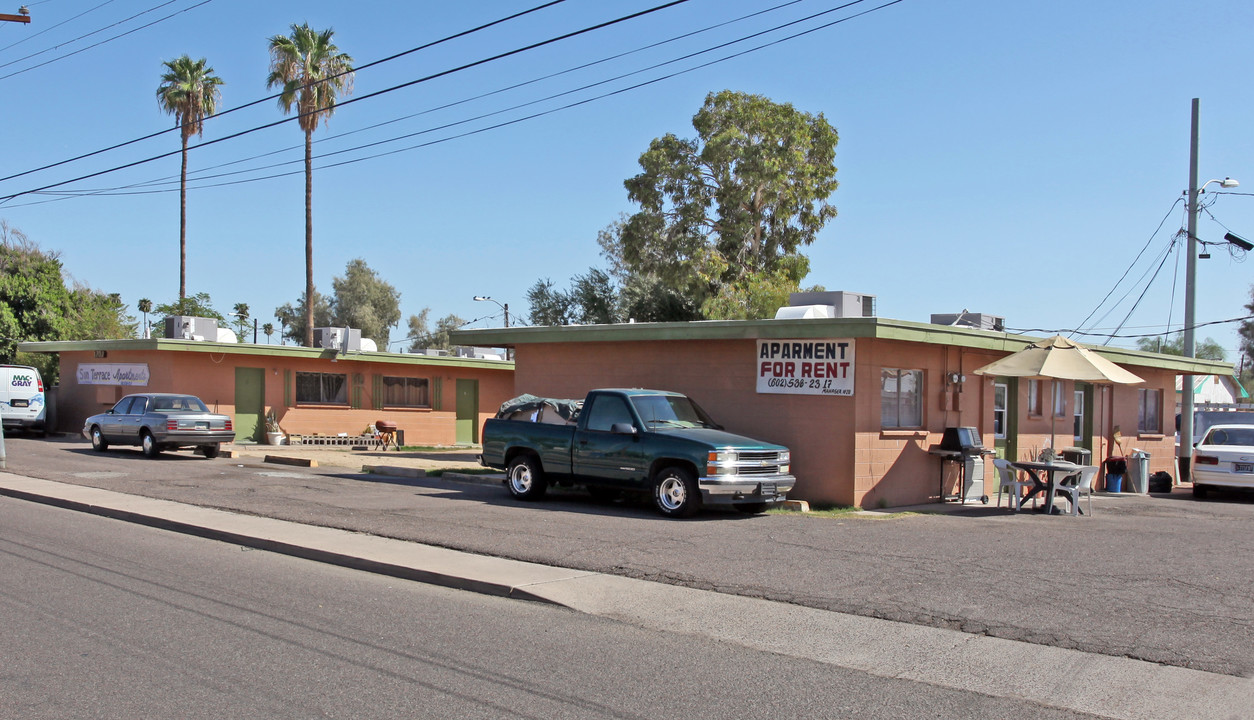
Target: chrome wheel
x=671, y=493
x=676, y=494
x=520, y=479
x=525, y=479
x=97, y=440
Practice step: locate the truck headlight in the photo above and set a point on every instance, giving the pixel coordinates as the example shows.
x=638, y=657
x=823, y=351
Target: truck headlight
x=784, y=458
x=721, y=462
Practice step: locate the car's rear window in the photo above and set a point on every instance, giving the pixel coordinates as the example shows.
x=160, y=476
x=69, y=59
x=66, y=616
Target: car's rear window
x=1231, y=436
x=185, y=402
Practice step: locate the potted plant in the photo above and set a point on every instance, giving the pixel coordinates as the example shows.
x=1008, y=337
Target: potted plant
x=274, y=434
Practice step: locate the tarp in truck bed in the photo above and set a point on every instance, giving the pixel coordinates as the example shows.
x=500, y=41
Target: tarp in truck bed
x=567, y=409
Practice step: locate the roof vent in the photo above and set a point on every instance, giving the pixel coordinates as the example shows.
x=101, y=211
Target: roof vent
x=980, y=321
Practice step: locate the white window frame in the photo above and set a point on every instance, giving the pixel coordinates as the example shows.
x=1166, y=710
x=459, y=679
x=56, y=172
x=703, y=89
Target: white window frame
x=1002, y=389
x=1078, y=414
x=911, y=400
x=1150, y=398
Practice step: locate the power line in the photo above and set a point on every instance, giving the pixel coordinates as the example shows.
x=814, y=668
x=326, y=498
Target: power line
x=272, y=97
x=377, y=93
x=468, y=120
x=479, y=130
x=102, y=42
x=54, y=27
x=200, y=172
x=1130, y=266
x=1142, y=335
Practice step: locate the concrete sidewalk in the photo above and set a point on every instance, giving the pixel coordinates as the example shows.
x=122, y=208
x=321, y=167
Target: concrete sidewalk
x=1104, y=686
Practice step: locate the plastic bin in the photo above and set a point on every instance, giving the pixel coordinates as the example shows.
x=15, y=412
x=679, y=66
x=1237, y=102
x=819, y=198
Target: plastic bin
x=1077, y=455
x=1138, y=472
x=1115, y=466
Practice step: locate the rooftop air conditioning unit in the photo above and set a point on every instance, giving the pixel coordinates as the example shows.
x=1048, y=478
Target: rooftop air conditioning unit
x=836, y=304
x=338, y=338
x=183, y=327
x=980, y=321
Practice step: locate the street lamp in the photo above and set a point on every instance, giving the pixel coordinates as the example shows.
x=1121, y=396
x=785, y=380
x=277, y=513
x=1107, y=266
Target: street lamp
x=1185, y=451
x=505, y=307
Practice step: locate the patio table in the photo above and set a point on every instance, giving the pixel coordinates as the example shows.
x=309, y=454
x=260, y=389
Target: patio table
x=1054, y=470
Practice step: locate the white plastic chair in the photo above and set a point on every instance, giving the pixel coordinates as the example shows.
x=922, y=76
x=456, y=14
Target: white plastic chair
x=1083, y=486
x=1009, y=481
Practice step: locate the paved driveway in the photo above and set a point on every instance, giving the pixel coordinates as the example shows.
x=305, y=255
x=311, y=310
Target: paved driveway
x=1160, y=578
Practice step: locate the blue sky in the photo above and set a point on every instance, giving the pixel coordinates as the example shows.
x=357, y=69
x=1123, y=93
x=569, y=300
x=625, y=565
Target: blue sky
x=1010, y=158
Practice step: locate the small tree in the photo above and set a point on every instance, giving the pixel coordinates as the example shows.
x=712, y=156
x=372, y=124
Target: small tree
x=268, y=329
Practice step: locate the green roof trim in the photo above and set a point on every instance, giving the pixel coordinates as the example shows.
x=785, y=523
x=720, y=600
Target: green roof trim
x=279, y=351
x=862, y=327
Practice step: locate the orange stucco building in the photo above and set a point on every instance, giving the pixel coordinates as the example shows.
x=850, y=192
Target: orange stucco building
x=434, y=400
x=859, y=432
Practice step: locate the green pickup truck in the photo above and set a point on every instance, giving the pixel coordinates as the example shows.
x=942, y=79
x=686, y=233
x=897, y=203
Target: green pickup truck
x=634, y=440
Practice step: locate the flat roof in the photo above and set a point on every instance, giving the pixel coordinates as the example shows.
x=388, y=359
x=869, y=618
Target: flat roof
x=816, y=328
x=279, y=351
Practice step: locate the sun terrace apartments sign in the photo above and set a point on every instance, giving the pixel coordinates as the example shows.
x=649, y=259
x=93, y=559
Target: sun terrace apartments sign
x=805, y=367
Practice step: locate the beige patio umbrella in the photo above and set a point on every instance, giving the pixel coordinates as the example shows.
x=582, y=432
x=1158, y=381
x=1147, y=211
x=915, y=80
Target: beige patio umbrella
x=1059, y=359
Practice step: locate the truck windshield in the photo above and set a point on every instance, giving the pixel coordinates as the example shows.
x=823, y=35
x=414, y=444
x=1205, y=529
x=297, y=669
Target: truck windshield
x=671, y=411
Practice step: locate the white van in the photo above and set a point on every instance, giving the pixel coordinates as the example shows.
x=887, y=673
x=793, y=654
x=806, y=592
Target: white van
x=22, y=403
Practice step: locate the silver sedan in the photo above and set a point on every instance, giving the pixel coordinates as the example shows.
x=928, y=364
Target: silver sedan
x=160, y=421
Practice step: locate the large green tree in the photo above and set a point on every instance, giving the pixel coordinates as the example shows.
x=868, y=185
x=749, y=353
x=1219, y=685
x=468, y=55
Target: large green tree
x=365, y=301
x=37, y=303
x=312, y=73
x=420, y=335
x=198, y=305
x=294, y=318
x=188, y=91
x=723, y=216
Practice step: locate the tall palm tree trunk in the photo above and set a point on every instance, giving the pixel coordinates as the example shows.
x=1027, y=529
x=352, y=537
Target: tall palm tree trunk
x=309, y=283
x=183, y=223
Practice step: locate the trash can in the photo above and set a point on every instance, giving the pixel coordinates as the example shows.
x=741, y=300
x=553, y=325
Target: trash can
x=1116, y=466
x=1138, y=471
x=1077, y=455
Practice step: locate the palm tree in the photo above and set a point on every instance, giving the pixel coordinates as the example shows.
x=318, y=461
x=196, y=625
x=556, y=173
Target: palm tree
x=312, y=72
x=189, y=92
x=145, y=306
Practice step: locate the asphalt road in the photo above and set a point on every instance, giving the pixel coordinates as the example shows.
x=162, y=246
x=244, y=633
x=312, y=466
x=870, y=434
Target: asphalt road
x=1164, y=579
x=106, y=619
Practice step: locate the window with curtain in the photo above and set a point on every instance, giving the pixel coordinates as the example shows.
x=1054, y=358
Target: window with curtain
x=406, y=392
x=1034, y=397
x=1077, y=429
x=1060, y=398
x=322, y=388
x=1149, y=411
x=901, y=398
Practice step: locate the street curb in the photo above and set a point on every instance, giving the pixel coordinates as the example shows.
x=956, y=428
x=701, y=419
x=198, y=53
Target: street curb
x=458, y=581
x=474, y=478
x=298, y=462
x=394, y=471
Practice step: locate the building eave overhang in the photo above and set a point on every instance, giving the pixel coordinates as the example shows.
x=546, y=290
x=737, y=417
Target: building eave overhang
x=874, y=327
x=290, y=352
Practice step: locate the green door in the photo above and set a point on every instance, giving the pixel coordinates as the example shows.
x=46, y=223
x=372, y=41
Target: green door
x=250, y=400
x=467, y=411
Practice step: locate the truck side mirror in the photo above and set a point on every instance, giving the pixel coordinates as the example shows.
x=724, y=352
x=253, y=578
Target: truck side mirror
x=623, y=429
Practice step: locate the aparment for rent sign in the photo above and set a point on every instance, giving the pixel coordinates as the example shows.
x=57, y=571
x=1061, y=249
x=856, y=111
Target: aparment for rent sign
x=805, y=367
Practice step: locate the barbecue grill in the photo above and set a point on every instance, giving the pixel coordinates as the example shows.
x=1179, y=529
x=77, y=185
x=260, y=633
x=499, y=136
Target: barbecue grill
x=965, y=447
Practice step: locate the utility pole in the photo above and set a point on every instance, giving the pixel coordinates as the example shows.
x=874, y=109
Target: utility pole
x=1185, y=450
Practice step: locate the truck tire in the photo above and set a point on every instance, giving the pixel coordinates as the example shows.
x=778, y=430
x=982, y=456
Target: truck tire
x=675, y=493
x=525, y=479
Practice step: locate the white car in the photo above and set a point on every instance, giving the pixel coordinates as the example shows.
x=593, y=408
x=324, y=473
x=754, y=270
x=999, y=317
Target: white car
x=1224, y=459
x=22, y=400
